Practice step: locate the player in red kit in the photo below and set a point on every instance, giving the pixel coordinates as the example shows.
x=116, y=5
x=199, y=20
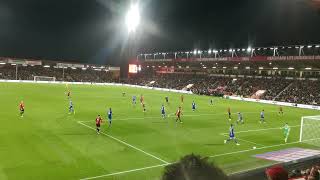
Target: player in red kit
x=280, y=110
x=182, y=98
x=229, y=113
x=98, y=123
x=178, y=114
x=21, y=108
x=141, y=99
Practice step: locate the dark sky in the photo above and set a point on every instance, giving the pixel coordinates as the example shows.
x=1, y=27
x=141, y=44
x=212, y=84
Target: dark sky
x=93, y=30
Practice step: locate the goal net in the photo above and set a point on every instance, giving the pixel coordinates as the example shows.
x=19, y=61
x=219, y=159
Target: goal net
x=309, y=129
x=44, y=78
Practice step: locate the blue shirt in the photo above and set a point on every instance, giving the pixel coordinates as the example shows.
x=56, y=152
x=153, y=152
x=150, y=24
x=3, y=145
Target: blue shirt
x=162, y=110
x=193, y=105
x=110, y=114
x=231, y=132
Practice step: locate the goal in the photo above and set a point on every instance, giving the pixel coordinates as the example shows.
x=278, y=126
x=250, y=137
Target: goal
x=44, y=78
x=309, y=130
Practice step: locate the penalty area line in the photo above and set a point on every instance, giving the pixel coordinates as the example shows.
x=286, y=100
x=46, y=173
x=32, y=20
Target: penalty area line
x=124, y=172
x=212, y=156
x=129, y=145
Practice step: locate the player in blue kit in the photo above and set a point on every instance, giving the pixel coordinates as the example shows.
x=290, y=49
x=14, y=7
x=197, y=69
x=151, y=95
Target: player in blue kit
x=163, y=112
x=262, y=117
x=110, y=116
x=193, y=106
x=71, y=109
x=231, y=135
x=134, y=100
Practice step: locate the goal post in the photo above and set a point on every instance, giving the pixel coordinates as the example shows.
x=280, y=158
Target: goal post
x=309, y=130
x=44, y=78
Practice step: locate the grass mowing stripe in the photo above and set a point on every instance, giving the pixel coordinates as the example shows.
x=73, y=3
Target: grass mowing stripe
x=116, y=139
x=123, y=172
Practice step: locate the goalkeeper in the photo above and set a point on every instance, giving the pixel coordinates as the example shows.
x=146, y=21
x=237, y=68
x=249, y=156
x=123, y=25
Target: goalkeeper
x=286, y=132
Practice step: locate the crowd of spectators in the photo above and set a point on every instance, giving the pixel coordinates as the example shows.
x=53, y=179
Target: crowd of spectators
x=276, y=88
x=67, y=74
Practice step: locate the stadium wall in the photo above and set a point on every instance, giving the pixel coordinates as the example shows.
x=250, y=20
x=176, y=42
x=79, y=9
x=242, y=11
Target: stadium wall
x=304, y=106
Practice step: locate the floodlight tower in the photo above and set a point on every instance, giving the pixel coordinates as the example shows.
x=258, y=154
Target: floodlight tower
x=133, y=18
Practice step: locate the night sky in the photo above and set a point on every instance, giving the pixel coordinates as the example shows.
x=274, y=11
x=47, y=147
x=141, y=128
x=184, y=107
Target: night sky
x=93, y=30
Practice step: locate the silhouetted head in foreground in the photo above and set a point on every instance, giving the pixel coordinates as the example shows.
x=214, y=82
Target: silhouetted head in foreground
x=193, y=167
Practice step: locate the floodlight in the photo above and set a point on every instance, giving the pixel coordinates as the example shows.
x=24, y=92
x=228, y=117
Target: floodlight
x=209, y=51
x=249, y=49
x=195, y=52
x=133, y=18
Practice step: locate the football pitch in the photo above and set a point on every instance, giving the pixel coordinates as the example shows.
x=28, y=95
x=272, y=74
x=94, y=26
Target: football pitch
x=48, y=143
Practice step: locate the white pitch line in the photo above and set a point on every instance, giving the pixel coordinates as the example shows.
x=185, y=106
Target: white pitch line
x=123, y=172
x=245, y=140
x=213, y=156
x=116, y=139
x=257, y=130
x=265, y=147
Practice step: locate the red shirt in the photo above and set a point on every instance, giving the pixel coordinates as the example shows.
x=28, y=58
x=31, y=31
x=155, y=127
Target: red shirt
x=21, y=106
x=98, y=120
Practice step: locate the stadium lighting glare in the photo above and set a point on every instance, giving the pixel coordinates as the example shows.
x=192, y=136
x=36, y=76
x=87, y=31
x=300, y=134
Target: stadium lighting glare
x=194, y=52
x=309, y=46
x=225, y=50
x=249, y=49
x=133, y=18
x=238, y=49
x=289, y=47
x=84, y=68
x=247, y=67
x=73, y=68
x=13, y=64
x=214, y=67
x=46, y=66
x=243, y=49
x=290, y=68
x=199, y=52
x=260, y=67
x=2, y=63
x=270, y=63
x=209, y=51
x=224, y=67
x=297, y=47
x=275, y=68
x=230, y=50
x=317, y=46
x=204, y=67
x=258, y=49
x=235, y=67
x=308, y=68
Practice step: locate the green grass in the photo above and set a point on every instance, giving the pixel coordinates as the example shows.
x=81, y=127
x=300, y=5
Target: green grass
x=48, y=143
